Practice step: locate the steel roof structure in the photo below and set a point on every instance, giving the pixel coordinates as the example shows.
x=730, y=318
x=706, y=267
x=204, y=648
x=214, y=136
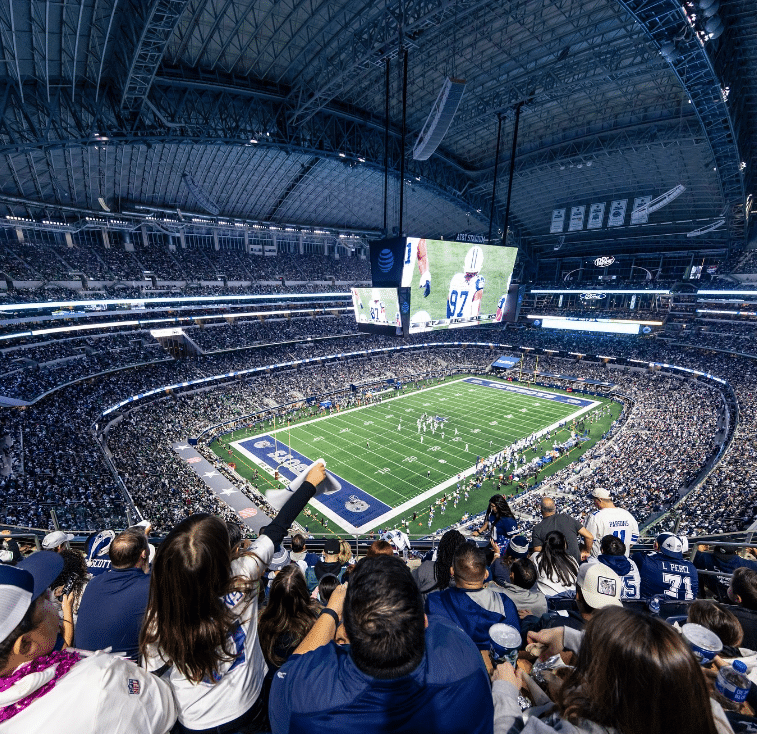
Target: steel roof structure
x=276, y=112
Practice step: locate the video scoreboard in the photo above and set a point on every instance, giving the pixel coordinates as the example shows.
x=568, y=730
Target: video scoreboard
x=421, y=284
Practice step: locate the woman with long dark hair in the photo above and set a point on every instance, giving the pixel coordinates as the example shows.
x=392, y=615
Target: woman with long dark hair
x=201, y=621
x=557, y=568
x=68, y=590
x=287, y=618
x=501, y=521
x=435, y=575
x=634, y=675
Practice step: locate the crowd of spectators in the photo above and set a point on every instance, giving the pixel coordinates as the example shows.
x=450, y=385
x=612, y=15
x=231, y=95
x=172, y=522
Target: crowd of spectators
x=672, y=425
x=37, y=261
x=394, y=650
x=728, y=337
x=29, y=380
x=244, y=333
x=668, y=435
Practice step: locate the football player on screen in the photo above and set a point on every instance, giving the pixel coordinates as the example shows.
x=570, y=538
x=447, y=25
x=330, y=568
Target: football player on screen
x=500, y=309
x=422, y=258
x=466, y=289
x=357, y=302
x=376, y=308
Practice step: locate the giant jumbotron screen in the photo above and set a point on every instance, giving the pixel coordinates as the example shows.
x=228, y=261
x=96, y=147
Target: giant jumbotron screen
x=451, y=284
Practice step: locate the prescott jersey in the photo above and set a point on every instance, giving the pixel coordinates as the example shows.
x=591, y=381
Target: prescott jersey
x=462, y=289
x=612, y=521
x=668, y=577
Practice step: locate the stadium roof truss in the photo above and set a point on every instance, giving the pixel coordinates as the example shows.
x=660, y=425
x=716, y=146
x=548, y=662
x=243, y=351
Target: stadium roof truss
x=275, y=111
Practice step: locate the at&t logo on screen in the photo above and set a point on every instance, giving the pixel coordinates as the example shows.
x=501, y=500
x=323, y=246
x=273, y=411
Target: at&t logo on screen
x=385, y=260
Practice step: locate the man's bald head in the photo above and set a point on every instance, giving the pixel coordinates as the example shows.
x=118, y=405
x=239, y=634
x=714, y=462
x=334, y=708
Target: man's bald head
x=129, y=548
x=547, y=506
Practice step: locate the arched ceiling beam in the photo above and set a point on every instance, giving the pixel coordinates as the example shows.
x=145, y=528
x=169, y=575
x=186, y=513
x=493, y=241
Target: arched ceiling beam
x=205, y=113
x=103, y=16
x=232, y=34
x=377, y=37
x=665, y=21
x=160, y=19
x=9, y=48
x=662, y=132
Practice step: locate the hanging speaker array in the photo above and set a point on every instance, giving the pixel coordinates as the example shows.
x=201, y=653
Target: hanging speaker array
x=439, y=119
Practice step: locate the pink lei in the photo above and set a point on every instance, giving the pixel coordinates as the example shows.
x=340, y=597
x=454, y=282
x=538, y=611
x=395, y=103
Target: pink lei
x=63, y=661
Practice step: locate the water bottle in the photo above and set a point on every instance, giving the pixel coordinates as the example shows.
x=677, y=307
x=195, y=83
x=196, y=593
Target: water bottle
x=732, y=682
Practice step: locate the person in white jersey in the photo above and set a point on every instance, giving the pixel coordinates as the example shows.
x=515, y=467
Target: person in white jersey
x=466, y=289
x=45, y=689
x=611, y=520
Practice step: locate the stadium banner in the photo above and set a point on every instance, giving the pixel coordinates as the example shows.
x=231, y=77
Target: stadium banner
x=640, y=217
x=576, y=218
x=506, y=362
x=387, y=257
x=617, y=215
x=596, y=216
x=573, y=378
x=558, y=221
x=633, y=302
x=530, y=392
x=351, y=503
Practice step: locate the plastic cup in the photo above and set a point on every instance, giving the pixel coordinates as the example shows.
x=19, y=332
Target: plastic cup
x=504, y=643
x=704, y=643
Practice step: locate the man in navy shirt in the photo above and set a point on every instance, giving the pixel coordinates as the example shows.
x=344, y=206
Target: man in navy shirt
x=399, y=673
x=665, y=572
x=725, y=562
x=468, y=604
x=113, y=604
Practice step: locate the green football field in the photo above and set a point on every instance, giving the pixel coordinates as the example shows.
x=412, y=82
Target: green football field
x=389, y=469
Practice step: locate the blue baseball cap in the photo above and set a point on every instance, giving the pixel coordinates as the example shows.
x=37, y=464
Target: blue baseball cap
x=670, y=545
x=21, y=585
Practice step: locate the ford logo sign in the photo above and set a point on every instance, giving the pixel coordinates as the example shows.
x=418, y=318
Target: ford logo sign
x=385, y=260
x=592, y=296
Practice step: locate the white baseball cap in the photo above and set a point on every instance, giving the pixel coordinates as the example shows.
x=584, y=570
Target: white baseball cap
x=20, y=585
x=600, y=494
x=600, y=585
x=52, y=540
